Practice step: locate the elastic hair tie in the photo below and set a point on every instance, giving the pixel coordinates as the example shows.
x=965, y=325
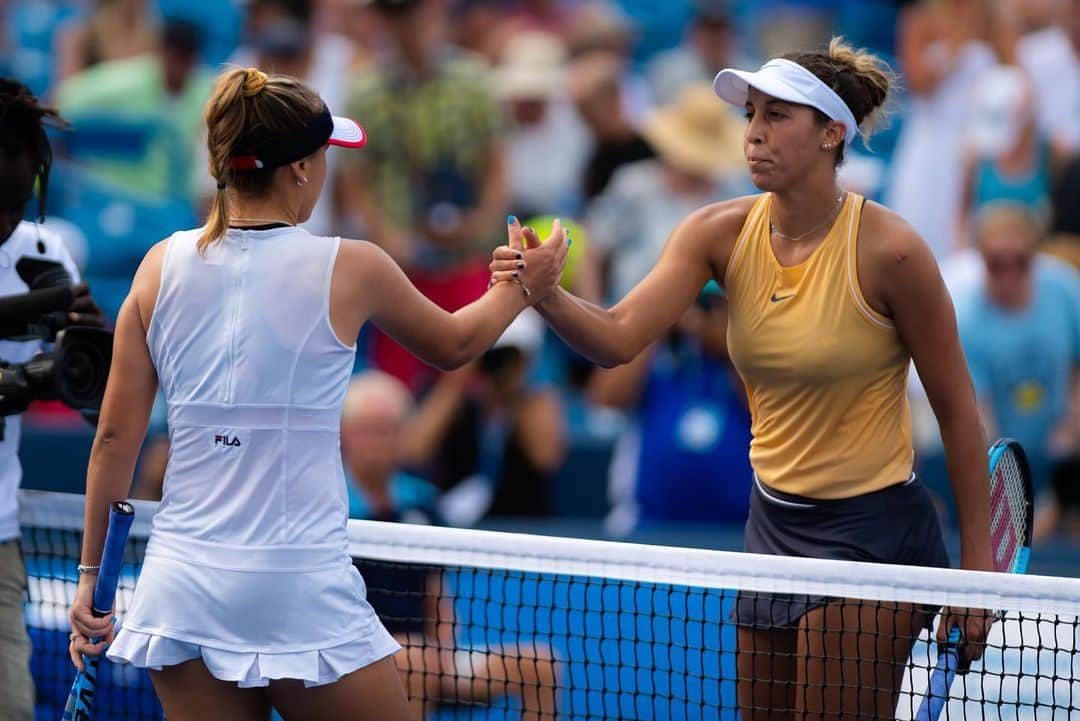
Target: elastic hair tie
x=221, y=185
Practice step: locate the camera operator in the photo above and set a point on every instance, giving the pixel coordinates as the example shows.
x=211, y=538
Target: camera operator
x=25, y=160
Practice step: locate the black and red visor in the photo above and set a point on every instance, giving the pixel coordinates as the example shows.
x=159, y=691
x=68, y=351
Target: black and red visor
x=323, y=129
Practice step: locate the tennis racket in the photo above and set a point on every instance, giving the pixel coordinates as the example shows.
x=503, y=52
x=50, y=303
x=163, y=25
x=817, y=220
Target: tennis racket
x=1011, y=520
x=80, y=701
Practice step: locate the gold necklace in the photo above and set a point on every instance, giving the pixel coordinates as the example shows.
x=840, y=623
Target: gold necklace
x=795, y=239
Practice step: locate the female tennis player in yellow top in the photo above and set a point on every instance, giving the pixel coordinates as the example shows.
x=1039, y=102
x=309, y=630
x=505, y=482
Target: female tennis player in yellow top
x=829, y=298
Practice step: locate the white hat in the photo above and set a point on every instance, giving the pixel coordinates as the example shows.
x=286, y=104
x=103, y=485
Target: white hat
x=787, y=80
x=1002, y=97
x=532, y=66
x=696, y=134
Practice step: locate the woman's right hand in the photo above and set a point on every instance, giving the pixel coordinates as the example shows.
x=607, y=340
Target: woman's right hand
x=537, y=266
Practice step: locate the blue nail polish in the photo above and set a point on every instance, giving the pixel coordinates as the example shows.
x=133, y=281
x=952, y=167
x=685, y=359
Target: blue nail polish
x=569, y=240
x=511, y=219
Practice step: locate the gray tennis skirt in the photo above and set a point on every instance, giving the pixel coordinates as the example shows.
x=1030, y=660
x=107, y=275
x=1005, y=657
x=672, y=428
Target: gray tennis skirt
x=898, y=524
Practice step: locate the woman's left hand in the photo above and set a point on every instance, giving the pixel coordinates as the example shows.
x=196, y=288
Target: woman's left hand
x=85, y=625
x=974, y=625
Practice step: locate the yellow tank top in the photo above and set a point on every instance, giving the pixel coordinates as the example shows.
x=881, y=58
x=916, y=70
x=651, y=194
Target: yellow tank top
x=825, y=374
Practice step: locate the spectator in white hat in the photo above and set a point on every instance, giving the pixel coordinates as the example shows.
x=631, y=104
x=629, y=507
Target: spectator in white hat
x=547, y=143
x=1008, y=157
x=699, y=160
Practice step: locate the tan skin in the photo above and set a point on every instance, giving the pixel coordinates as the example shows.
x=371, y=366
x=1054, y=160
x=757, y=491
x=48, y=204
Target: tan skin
x=790, y=154
x=366, y=285
x=621, y=387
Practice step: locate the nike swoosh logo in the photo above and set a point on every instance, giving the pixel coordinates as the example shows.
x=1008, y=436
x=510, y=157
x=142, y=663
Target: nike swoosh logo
x=776, y=297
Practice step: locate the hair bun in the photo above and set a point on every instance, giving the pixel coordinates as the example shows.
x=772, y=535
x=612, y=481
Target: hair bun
x=862, y=79
x=254, y=82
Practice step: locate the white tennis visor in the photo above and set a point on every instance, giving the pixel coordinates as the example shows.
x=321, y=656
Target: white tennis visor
x=346, y=133
x=789, y=81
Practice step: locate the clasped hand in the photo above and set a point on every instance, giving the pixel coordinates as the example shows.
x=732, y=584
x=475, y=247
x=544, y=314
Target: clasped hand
x=534, y=264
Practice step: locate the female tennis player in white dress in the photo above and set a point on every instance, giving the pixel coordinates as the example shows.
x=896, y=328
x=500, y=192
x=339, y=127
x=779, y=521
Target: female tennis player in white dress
x=247, y=597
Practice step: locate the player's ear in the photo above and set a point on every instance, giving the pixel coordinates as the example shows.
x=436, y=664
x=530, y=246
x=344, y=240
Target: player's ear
x=299, y=171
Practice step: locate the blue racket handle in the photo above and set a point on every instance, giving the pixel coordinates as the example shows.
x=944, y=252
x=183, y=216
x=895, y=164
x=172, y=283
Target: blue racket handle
x=121, y=514
x=937, y=691
x=79, y=703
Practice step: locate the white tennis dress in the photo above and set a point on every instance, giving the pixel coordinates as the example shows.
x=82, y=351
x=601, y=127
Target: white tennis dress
x=247, y=563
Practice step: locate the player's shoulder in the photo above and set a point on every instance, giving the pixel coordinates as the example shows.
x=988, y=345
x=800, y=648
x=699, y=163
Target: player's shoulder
x=155, y=255
x=359, y=250
x=363, y=260
x=152, y=265
x=725, y=218
x=187, y=238
x=886, y=237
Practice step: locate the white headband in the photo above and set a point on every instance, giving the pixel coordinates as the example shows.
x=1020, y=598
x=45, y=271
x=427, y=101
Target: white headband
x=786, y=80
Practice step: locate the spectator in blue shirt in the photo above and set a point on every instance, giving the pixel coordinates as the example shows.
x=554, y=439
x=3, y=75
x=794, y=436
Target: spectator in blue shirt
x=1021, y=333
x=687, y=456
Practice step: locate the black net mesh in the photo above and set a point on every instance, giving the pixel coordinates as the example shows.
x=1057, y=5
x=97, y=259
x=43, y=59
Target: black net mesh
x=498, y=643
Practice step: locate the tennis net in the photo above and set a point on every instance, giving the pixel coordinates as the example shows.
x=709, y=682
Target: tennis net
x=509, y=626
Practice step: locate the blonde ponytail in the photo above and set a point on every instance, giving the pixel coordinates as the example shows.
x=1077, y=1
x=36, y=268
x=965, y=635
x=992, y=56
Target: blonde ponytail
x=246, y=108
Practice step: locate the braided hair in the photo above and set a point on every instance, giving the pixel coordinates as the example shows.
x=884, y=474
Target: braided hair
x=25, y=153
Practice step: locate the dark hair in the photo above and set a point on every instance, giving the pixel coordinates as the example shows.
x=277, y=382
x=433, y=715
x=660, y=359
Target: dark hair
x=301, y=10
x=181, y=36
x=25, y=152
x=860, y=78
x=247, y=109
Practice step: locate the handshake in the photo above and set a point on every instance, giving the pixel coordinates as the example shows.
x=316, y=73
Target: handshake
x=533, y=264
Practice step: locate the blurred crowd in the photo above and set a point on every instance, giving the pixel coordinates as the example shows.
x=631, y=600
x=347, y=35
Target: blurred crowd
x=600, y=113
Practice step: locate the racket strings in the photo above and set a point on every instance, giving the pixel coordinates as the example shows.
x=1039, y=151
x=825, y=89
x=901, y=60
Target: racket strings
x=1008, y=506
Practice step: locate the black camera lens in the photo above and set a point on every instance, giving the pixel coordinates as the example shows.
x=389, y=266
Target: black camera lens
x=82, y=374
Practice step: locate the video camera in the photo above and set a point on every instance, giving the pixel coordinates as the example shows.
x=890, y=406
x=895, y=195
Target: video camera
x=75, y=369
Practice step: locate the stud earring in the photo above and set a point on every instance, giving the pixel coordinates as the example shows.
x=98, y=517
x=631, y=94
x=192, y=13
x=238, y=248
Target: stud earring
x=302, y=182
